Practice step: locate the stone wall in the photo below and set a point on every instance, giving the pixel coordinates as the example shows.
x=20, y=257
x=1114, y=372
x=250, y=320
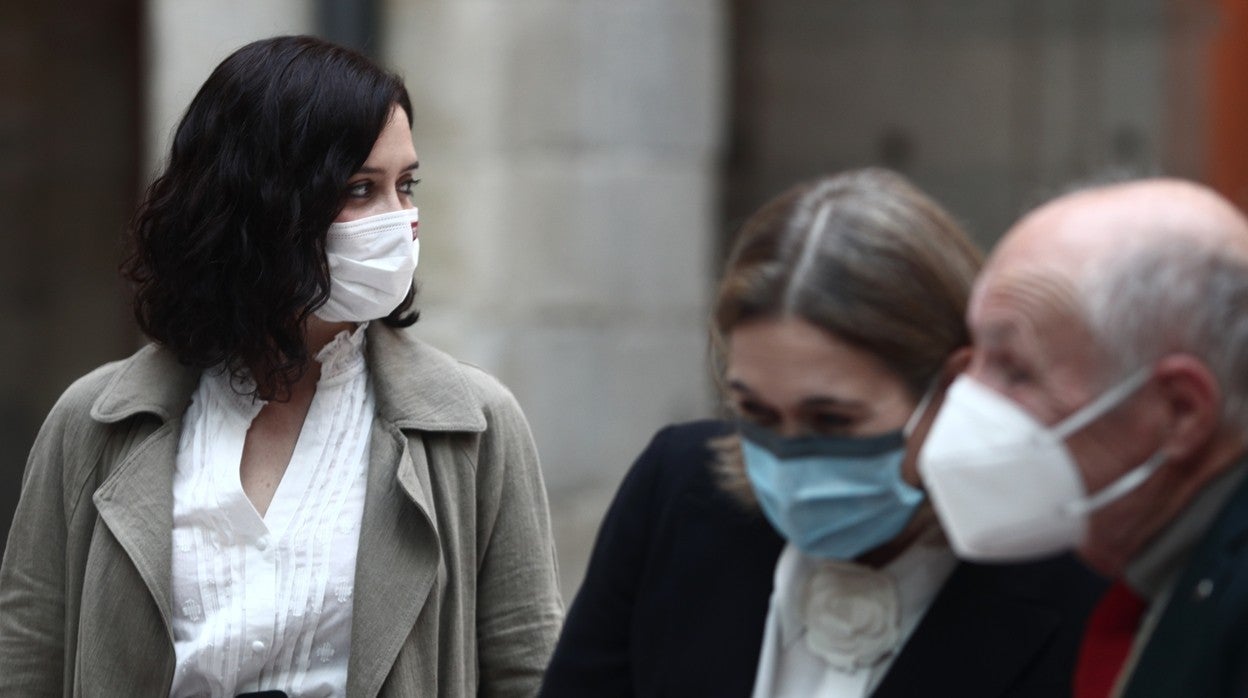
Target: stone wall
x=988, y=105
x=568, y=211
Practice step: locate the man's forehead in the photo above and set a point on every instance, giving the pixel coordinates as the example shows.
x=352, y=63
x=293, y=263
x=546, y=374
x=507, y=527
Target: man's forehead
x=1035, y=316
x=1033, y=277
x=1064, y=238
x=1026, y=297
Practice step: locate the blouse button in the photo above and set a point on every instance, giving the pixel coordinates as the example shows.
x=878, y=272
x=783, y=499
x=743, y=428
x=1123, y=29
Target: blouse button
x=257, y=646
x=1204, y=589
x=262, y=542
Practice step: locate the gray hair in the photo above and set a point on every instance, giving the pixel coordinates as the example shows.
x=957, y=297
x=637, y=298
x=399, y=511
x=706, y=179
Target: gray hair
x=1177, y=295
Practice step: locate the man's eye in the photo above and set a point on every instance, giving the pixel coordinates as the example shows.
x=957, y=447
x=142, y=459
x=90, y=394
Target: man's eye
x=1012, y=373
x=1016, y=375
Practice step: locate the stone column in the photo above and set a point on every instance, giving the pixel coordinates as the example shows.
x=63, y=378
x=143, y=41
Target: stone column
x=186, y=39
x=569, y=155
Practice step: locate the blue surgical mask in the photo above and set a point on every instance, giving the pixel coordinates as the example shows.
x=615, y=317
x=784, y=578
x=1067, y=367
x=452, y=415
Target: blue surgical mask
x=833, y=497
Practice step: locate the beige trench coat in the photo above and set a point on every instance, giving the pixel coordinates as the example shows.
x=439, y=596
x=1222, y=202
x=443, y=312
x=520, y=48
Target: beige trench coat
x=455, y=589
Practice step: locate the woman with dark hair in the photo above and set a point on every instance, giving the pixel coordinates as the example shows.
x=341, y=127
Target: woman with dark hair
x=286, y=493
x=791, y=552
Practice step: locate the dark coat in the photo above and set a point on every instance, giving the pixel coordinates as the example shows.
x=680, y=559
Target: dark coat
x=678, y=586
x=1200, y=644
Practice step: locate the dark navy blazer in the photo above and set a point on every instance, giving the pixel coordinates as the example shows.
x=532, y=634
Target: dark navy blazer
x=677, y=590
x=1200, y=644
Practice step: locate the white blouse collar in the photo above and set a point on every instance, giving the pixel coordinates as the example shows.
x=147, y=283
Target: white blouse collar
x=853, y=616
x=341, y=359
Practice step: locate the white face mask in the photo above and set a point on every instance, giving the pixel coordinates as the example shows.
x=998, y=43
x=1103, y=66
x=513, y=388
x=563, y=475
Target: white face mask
x=1004, y=485
x=371, y=261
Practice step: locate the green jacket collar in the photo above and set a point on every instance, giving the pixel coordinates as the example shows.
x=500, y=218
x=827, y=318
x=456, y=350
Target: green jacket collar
x=417, y=386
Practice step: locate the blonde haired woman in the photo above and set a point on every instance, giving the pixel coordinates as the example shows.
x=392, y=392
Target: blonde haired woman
x=839, y=324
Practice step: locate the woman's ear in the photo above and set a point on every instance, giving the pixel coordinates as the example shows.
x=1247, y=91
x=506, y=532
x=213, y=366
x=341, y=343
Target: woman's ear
x=955, y=365
x=952, y=368
x=1191, y=400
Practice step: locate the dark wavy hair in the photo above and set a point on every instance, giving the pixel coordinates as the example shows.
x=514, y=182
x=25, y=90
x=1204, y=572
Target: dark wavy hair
x=227, y=250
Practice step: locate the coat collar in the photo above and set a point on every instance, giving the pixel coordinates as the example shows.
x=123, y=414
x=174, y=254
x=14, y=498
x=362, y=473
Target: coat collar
x=400, y=551
x=1199, y=629
x=417, y=387
x=150, y=381
x=1157, y=566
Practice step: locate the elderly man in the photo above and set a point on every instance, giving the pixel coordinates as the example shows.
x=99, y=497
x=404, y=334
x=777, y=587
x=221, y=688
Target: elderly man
x=1106, y=410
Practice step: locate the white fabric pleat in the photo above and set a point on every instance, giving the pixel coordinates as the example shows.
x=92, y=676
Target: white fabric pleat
x=265, y=603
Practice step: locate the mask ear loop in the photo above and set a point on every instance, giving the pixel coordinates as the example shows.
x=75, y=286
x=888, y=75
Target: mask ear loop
x=920, y=409
x=1098, y=407
x=1087, y=415
x=1117, y=488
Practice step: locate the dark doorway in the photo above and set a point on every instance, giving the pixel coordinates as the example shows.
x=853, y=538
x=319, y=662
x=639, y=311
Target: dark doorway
x=70, y=154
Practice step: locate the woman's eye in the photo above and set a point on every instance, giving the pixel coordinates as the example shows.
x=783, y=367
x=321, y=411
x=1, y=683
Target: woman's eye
x=827, y=423
x=358, y=190
x=755, y=413
x=409, y=187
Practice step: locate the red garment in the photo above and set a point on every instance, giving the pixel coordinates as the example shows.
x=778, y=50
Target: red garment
x=1107, y=641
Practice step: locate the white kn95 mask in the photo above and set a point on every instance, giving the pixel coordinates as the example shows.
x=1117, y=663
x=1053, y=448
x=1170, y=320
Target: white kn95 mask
x=1004, y=485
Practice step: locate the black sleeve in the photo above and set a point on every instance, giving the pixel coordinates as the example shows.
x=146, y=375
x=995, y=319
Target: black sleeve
x=592, y=657
x=594, y=654
x=676, y=593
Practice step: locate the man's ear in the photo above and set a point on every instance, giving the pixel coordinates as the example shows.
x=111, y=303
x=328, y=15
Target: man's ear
x=1192, y=401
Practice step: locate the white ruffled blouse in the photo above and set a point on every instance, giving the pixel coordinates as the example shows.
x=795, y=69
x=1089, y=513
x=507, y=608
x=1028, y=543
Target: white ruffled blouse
x=265, y=602
x=835, y=627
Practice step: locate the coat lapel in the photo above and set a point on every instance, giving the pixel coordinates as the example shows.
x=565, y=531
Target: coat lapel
x=136, y=504
x=398, y=561
x=135, y=501
x=419, y=390
x=973, y=641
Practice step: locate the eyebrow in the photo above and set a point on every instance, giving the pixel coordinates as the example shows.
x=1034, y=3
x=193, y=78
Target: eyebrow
x=849, y=405
x=809, y=402
x=378, y=170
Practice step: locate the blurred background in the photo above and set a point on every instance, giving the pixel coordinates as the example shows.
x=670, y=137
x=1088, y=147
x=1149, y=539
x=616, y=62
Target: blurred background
x=586, y=161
